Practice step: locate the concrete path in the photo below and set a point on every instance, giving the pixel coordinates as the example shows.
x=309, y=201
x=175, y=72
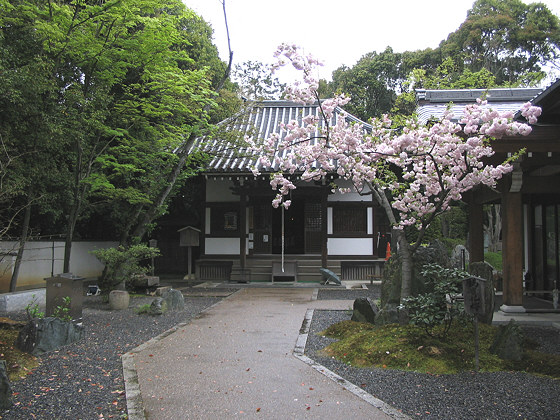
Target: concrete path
x=237, y=360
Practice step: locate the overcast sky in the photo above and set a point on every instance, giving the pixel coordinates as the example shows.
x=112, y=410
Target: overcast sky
x=335, y=31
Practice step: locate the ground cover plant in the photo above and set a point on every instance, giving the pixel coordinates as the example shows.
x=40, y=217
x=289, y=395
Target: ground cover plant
x=409, y=348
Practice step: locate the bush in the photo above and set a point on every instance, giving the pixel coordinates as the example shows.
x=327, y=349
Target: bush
x=122, y=264
x=437, y=306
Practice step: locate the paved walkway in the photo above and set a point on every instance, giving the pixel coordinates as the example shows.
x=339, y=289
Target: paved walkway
x=237, y=360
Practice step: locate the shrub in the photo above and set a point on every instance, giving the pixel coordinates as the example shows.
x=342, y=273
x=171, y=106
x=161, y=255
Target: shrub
x=437, y=306
x=122, y=264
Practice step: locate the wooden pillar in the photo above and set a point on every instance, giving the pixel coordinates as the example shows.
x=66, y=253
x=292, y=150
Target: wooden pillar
x=324, y=237
x=476, y=232
x=243, y=229
x=512, y=251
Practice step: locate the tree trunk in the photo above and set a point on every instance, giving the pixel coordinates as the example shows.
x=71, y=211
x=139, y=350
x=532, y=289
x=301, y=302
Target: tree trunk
x=404, y=249
x=22, y=241
x=405, y=255
x=171, y=179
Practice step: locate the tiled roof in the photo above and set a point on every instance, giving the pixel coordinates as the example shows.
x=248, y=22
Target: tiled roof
x=433, y=103
x=260, y=121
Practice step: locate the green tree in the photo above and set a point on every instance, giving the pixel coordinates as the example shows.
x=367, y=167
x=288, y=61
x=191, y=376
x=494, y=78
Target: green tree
x=256, y=82
x=109, y=96
x=510, y=39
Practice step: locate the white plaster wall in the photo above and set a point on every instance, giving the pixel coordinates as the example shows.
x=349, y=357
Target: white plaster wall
x=43, y=258
x=221, y=246
x=218, y=190
x=350, y=246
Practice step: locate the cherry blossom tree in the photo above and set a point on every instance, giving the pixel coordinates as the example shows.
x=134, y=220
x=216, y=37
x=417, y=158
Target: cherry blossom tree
x=414, y=172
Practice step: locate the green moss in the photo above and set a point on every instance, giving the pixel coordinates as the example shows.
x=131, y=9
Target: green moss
x=18, y=363
x=409, y=348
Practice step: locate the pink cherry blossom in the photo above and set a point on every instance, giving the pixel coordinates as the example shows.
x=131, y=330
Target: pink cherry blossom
x=436, y=165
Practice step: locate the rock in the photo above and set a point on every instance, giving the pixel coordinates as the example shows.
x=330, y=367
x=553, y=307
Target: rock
x=161, y=290
x=5, y=387
x=459, y=257
x=119, y=299
x=391, y=314
x=41, y=335
x=365, y=310
x=485, y=271
x=508, y=343
x=158, y=306
x=174, y=299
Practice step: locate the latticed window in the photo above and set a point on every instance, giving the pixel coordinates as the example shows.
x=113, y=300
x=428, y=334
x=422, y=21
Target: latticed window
x=224, y=220
x=350, y=220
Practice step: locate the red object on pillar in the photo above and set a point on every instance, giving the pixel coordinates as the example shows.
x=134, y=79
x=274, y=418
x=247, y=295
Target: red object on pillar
x=388, y=252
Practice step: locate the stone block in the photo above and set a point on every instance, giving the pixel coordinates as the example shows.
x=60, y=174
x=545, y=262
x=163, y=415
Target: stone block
x=365, y=310
x=17, y=301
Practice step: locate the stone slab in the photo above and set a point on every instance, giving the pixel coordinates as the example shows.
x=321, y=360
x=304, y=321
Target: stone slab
x=17, y=301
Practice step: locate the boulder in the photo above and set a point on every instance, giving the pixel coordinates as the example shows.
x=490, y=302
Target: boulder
x=391, y=314
x=508, y=343
x=174, y=299
x=365, y=310
x=5, y=387
x=41, y=335
x=158, y=306
x=485, y=271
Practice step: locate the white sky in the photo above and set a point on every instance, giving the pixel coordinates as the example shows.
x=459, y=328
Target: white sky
x=335, y=31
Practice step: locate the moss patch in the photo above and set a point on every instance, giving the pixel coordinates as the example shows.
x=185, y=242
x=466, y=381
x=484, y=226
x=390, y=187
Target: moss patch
x=409, y=348
x=18, y=363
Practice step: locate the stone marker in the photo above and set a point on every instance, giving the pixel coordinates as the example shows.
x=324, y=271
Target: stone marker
x=41, y=335
x=485, y=271
x=365, y=310
x=5, y=387
x=508, y=343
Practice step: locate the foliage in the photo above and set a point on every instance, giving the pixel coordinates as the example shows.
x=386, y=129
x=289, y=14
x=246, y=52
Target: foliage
x=62, y=311
x=501, y=43
x=100, y=103
x=409, y=348
x=494, y=259
x=437, y=306
x=256, y=82
x=122, y=263
x=32, y=309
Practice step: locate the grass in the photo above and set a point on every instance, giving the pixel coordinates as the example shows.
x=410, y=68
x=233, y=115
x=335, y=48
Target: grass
x=409, y=348
x=18, y=363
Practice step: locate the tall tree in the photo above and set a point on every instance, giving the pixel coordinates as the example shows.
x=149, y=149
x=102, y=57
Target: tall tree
x=501, y=43
x=111, y=93
x=510, y=39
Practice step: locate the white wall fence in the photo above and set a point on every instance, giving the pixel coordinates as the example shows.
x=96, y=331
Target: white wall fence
x=42, y=259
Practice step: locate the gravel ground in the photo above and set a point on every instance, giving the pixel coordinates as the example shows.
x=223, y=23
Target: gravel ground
x=502, y=395
x=85, y=380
